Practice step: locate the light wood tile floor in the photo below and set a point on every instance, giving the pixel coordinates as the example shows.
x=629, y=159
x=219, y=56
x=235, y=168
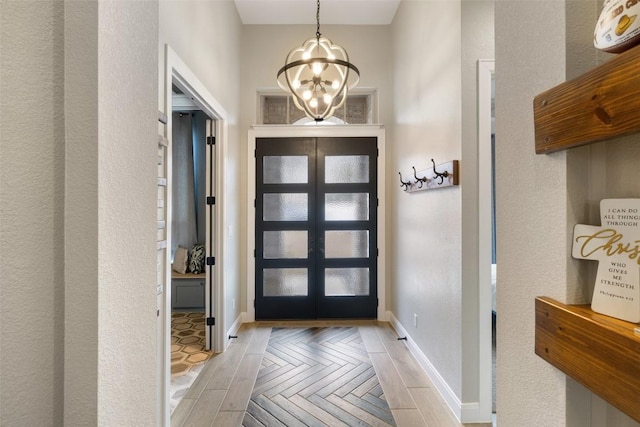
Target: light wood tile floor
x=221, y=394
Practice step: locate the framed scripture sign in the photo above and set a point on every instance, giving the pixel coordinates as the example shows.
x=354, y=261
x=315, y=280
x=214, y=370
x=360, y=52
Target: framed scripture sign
x=615, y=244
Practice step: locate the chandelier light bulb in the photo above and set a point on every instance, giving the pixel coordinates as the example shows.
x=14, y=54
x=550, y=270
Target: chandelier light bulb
x=318, y=75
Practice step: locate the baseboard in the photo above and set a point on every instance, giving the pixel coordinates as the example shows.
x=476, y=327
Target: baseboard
x=246, y=318
x=233, y=330
x=461, y=411
x=468, y=412
x=471, y=413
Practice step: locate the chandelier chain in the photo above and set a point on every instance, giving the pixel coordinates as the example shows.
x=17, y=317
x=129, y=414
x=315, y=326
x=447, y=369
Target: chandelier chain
x=318, y=21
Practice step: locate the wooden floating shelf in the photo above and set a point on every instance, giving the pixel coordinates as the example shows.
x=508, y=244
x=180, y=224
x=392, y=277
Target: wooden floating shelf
x=600, y=352
x=600, y=104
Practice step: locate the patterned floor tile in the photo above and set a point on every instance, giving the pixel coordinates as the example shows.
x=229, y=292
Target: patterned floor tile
x=317, y=377
x=188, y=354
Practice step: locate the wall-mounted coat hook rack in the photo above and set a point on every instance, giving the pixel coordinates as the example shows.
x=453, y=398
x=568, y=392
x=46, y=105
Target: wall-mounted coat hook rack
x=439, y=176
x=419, y=181
x=405, y=184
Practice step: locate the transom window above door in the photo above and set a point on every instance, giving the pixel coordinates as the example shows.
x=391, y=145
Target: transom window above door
x=279, y=109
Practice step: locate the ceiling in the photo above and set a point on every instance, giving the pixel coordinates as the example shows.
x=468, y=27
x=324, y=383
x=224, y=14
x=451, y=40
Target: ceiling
x=341, y=12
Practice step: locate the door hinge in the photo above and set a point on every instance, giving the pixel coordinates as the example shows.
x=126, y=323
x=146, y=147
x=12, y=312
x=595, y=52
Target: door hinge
x=211, y=140
x=211, y=321
x=211, y=200
x=254, y=203
x=211, y=260
x=377, y=252
x=255, y=153
x=377, y=152
x=254, y=253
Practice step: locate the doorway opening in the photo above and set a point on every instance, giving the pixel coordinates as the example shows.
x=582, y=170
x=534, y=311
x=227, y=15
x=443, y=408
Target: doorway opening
x=377, y=252
x=486, y=216
x=316, y=228
x=202, y=293
x=191, y=244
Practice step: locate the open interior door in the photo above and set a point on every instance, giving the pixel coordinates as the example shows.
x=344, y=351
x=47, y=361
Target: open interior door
x=210, y=243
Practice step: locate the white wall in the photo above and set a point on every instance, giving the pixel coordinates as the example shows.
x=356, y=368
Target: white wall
x=127, y=200
x=78, y=211
x=31, y=213
x=540, y=198
x=426, y=226
x=81, y=212
x=477, y=43
x=110, y=197
x=532, y=230
x=206, y=35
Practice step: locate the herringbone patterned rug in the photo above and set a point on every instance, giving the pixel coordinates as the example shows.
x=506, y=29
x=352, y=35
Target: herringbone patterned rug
x=317, y=377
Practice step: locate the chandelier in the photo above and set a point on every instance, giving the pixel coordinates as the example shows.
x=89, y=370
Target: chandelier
x=318, y=75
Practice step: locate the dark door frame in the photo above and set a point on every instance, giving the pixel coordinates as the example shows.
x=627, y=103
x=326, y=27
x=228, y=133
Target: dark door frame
x=258, y=131
x=316, y=303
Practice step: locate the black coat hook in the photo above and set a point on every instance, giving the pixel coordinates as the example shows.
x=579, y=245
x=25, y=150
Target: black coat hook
x=442, y=176
x=420, y=180
x=403, y=183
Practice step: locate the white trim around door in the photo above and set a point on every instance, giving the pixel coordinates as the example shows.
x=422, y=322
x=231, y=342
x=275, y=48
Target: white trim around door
x=176, y=72
x=482, y=411
x=321, y=131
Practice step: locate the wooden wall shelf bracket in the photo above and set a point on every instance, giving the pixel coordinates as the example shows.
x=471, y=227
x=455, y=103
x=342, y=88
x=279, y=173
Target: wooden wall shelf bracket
x=600, y=104
x=600, y=352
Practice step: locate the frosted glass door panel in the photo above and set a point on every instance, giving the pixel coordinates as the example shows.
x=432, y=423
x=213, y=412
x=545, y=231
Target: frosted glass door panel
x=346, y=206
x=346, y=244
x=286, y=169
x=285, y=207
x=346, y=169
x=315, y=228
x=285, y=282
x=340, y=282
x=286, y=244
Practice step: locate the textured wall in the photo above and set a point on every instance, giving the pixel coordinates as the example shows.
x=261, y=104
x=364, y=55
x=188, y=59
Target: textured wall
x=533, y=230
x=426, y=226
x=127, y=209
x=31, y=213
x=110, y=200
x=81, y=213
